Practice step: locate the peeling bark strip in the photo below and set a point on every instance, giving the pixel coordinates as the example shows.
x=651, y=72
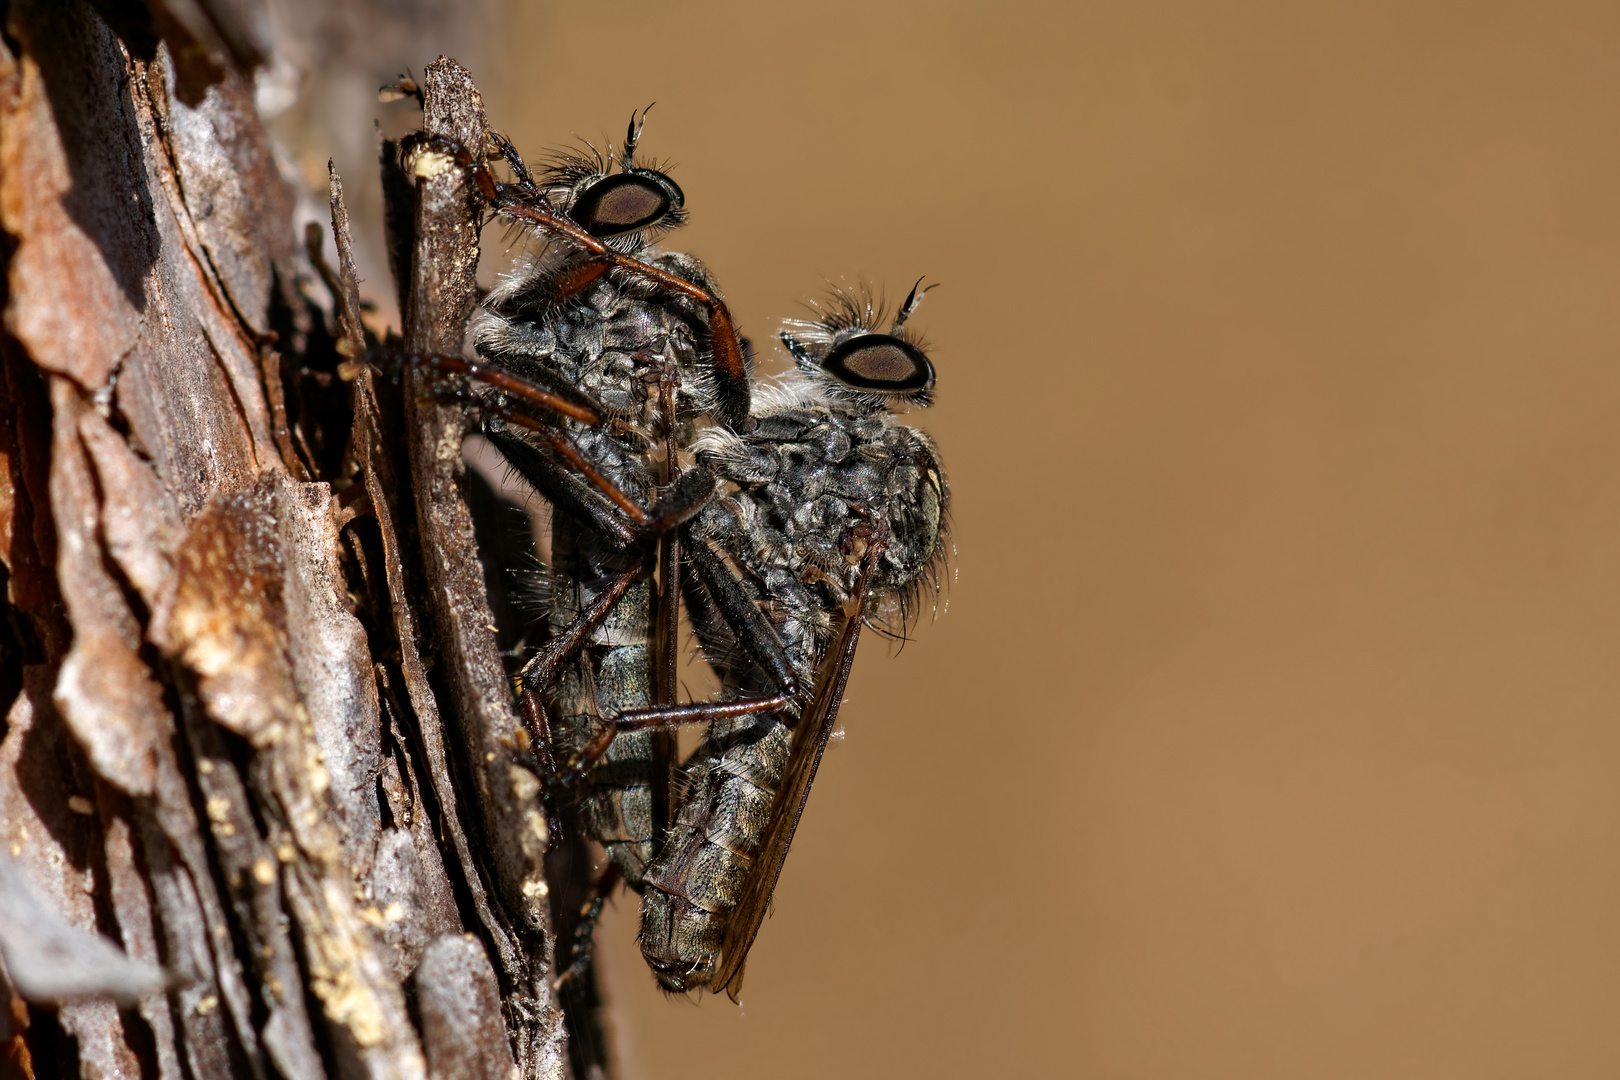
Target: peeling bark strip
x=442, y=294
x=223, y=772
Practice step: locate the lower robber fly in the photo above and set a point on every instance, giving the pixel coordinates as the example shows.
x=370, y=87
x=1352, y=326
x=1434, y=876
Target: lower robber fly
x=835, y=516
x=646, y=360
x=644, y=338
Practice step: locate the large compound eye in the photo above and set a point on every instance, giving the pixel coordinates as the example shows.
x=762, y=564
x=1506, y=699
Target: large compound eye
x=880, y=363
x=625, y=203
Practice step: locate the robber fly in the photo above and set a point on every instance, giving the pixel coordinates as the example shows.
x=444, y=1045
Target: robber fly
x=835, y=516
x=647, y=362
x=594, y=359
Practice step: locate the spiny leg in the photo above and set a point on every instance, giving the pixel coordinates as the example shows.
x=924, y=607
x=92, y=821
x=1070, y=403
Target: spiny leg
x=520, y=394
x=680, y=502
x=569, y=403
x=725, y=351
x=753, y=632
x=661, y=718
x=539, y=670
x=529, y=207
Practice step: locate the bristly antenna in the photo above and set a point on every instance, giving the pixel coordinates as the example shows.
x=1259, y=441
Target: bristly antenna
x=913, y=300
x=627, y=159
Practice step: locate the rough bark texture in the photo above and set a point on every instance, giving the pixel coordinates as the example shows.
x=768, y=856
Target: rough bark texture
x=259, y=811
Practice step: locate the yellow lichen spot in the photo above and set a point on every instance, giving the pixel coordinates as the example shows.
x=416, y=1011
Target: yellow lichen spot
x=263, y=872
x=536, y=888
x=393, y=913
x=81, y=805
x=372, y=917
x=352, y=1005
x=286, y=853
x=525, y=785
x=537, y=829
x=218, y=809
x=207, y=1005
x=430, y=163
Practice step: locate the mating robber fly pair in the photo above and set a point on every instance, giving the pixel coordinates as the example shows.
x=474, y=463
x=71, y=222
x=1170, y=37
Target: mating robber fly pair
x=786, y=516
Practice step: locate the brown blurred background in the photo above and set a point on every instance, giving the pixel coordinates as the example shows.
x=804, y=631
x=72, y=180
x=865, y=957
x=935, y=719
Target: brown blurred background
x=1273, y=729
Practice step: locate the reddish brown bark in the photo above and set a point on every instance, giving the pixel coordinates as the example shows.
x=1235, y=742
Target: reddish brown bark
x=255, y=726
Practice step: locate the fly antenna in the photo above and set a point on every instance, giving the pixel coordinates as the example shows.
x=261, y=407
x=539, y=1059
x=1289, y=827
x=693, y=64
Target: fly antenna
x=632, y=135
x=913, y=299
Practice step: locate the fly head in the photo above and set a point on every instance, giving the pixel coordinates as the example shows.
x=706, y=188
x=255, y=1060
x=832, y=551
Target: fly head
x=616, y=199
x=851, y=360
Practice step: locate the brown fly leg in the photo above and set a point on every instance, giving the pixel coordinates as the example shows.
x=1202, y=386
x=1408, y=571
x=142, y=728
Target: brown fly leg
x=524, y=403
x=538, y=672
x=725, y=350
x=547, y=401
x=661, y=718
x=523, y=203
x=752, y=631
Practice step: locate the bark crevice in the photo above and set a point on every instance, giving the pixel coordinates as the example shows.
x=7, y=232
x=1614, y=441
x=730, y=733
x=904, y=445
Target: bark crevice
x=257, y=731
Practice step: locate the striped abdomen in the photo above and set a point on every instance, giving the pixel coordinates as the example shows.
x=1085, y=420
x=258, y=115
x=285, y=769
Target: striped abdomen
x=708, y=852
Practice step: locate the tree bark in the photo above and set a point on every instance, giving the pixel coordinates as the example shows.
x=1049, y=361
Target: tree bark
x=256, y=729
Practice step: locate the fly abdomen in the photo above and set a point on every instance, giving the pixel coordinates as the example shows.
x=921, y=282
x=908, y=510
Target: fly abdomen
x=613, y=672
x=708, y=852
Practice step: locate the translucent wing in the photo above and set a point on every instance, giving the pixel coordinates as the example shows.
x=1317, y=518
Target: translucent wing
x=810, y=737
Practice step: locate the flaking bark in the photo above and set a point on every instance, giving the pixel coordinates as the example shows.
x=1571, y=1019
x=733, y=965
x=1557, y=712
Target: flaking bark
x=257, y=734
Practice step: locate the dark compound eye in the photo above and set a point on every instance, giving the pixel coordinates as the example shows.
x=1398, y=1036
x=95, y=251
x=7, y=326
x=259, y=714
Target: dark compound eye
x=626, y=203
x=881, y=363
